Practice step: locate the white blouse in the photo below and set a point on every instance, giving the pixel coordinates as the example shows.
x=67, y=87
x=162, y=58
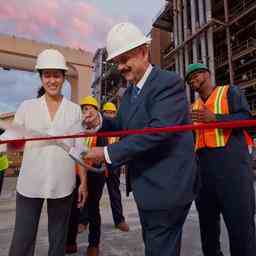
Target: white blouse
x=47, y=171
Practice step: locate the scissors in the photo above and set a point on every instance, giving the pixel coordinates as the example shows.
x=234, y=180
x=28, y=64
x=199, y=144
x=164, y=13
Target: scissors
x=76, y=153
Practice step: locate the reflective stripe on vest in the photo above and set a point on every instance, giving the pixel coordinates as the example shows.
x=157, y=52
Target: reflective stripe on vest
x=218, y=104
x=90, y=142
x=112, y=140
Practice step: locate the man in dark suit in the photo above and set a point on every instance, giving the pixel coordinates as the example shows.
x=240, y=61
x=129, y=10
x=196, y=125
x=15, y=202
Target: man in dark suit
x=161, y=165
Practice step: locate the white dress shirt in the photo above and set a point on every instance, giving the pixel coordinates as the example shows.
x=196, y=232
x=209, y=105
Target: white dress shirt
x=47, y=171
x=140, y=86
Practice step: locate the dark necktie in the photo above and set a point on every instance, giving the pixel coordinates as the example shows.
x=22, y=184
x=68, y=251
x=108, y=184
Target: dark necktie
x=135, y=93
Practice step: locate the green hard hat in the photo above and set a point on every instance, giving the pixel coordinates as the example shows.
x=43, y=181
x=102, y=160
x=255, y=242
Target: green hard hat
x=195, y=67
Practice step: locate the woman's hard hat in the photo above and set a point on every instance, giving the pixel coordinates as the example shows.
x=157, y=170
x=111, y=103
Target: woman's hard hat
x=51, y=59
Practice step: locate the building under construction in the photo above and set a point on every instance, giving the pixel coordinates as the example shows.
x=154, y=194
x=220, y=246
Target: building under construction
x=219, y=33
x=108, y=84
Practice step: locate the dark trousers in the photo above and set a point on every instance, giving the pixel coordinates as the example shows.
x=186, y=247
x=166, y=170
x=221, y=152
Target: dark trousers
x=162, y=230
x=1, y=181
x=28, y=211
x=95, y=183
x=113, y=184
x=233, y=197
x=74, y=217
x=83, y=216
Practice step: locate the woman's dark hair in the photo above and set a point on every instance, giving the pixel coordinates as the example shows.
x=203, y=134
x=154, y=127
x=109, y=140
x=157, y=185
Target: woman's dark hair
x=41, y=90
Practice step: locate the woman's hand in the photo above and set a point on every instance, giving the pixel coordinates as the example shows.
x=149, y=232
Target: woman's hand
x=82, y=195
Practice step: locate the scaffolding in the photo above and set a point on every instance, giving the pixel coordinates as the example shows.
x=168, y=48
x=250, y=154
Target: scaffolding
x=108, y=84
x=220, y=33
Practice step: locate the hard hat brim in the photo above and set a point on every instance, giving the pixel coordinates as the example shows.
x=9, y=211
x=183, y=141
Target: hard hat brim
x=188, y=76
x=42, y=68
x=129, y=47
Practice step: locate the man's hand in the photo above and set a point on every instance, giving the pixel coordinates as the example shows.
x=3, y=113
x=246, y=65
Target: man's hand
x=82, y=195
x=96, y=155
x=91, y=118
x=203, y=115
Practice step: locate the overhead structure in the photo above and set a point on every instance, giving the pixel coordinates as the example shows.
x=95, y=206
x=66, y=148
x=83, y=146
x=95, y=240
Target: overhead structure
x=219, y=33
x=108, y=84
x=20, y=54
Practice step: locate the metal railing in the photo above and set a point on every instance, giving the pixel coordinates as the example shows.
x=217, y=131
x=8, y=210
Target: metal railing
x=246, y=76
x=241, y=6
x=237, y=49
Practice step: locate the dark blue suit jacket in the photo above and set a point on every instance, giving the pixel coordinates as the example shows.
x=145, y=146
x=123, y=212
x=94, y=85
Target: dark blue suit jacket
x=161, y=166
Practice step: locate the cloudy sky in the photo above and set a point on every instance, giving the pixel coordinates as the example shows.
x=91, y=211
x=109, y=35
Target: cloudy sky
x=75, y=23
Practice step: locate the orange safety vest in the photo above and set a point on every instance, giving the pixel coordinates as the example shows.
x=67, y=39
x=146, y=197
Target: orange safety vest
x=218, y=104
x=112, y=140
x=90, y=142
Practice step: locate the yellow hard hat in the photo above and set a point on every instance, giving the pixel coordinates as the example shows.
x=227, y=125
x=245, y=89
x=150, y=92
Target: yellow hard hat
x=89, y=100
x=109, y=106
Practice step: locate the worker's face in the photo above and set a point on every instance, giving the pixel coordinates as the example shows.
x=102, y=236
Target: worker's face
x=133, y=64
x=110, y=114
x=52, y=80
x=88, y=109
x=198, y=80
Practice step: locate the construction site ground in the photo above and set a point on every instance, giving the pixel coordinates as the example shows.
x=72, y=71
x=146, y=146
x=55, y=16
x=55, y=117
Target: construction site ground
x=114, y=242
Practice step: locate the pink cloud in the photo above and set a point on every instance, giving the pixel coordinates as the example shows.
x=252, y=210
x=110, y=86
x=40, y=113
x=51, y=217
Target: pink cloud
x=7, y=12
x=72, y=23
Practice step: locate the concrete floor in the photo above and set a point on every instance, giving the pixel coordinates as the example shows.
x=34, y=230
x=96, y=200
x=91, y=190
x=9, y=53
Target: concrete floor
x=114, y=242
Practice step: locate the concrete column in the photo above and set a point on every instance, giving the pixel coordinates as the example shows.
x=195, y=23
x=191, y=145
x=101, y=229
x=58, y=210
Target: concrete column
x=180, y=37
x=202, y=20
x=230, y=64
x=211, y=64
x=185, y=29
x=175, y=29
x=81, y=86
x=193, y=22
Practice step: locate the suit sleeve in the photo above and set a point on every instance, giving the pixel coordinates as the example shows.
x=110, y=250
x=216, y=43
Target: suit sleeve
x=168, y=107
x=238, y=106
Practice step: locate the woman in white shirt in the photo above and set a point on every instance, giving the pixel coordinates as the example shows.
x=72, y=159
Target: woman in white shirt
x=47, y=171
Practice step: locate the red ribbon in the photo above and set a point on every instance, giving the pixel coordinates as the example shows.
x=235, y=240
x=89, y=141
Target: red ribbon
x=171, y=129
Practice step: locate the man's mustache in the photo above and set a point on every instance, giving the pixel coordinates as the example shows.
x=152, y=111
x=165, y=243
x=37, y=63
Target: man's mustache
x=124, y=71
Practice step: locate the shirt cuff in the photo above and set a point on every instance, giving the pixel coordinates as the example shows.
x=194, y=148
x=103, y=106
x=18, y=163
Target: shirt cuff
x=106, y=155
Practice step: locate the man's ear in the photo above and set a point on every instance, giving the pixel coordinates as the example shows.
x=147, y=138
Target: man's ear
x=145, y=51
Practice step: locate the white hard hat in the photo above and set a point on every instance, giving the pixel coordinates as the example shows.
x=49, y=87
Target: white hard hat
x=124, y=37
x=51, y=59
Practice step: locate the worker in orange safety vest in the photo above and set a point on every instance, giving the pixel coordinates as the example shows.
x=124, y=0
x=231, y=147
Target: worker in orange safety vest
x=224, y=164
x=113, y=178
x=95, y=185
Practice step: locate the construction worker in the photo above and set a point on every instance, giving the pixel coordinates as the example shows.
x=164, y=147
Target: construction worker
x=95, y=185
x=161, y=167
x=4, y=164
x=224, y=163
x=47, y=171
x=113, y=178
x=76, y=209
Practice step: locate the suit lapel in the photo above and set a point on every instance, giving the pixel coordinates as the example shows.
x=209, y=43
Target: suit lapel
x=134, y=107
